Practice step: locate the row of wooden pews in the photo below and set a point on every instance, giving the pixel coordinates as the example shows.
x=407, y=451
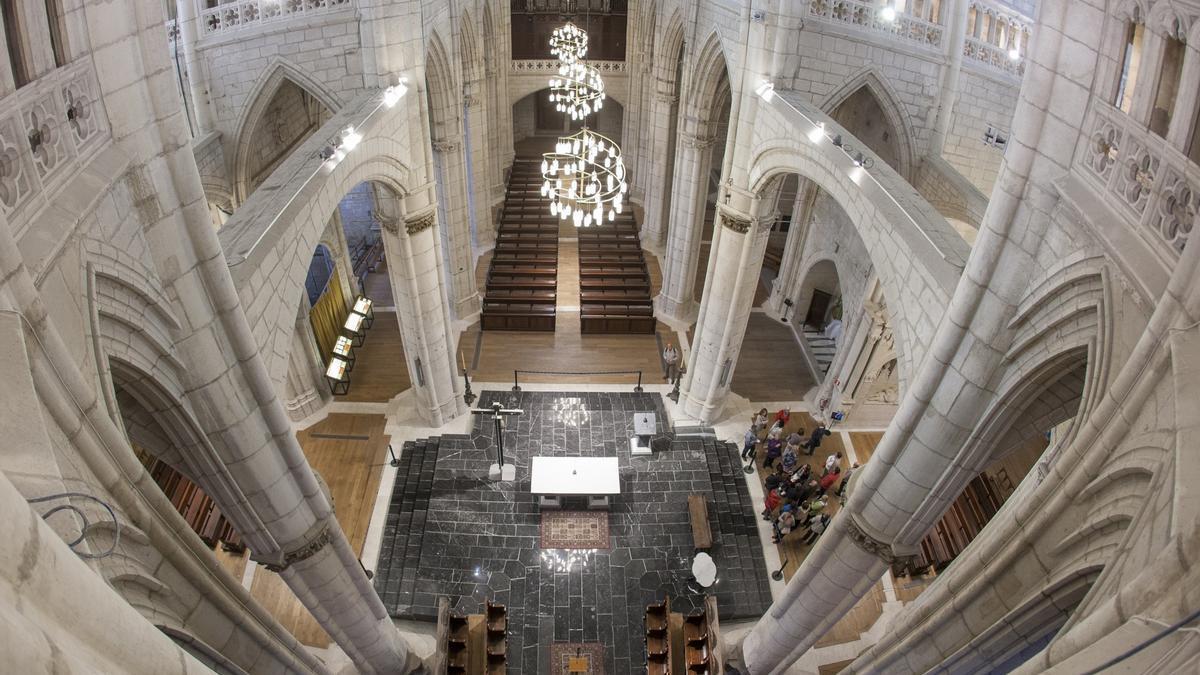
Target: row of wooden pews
x=678, y=644
x=614, y=285
x=475, y=644
x=522, y=281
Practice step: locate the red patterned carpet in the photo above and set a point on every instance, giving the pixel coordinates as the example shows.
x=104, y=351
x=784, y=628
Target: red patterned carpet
x=570, y=658
x=574, y=529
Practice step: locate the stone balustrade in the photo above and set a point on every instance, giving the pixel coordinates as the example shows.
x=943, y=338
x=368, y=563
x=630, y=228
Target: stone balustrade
x=993, y=56
x=45, y=129
x=1143, y=177
x=550, y=66
x=868, y=16
x=234, y=15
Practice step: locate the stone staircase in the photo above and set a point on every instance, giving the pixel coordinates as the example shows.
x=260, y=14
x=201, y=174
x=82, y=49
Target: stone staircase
x=821, y=348
x=400, y=553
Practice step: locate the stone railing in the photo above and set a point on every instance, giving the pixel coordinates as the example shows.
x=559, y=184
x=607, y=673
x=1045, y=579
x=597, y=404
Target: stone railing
x=45, y=128
x=550, y=66
x=994, y=56
x=1145, y=178
x=866, y=15
x=234, y=15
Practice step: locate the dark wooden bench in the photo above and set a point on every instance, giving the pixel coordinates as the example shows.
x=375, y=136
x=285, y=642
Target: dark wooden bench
x=698, y=517
x=519, y=295
x=615, y=296
x=616, y=318
x=517, y=316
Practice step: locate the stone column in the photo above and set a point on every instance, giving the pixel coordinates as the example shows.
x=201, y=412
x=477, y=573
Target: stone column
x=414, y=258
x=306, y=388
x=693, y=159
x=187, y=22
x=657, y=202
x=464, y=295
x=739, y=243
x=955, y=42
x=787, y=283
x=477, y=152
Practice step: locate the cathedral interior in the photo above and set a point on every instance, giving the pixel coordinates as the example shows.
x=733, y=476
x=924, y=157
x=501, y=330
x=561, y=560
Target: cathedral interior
x=761, y=337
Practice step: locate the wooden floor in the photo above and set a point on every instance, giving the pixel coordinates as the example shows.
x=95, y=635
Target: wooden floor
x=566, y=349
x=378, y=287
x=770, y=366
x=864, y=443
x=380, y=369
x=348, y=451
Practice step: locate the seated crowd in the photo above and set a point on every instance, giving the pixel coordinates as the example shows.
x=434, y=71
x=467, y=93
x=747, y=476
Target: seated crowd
x=796, y=496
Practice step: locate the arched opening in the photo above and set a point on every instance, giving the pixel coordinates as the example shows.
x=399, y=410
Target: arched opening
x=162, y=440
x=536, y=122
x=287, y=116
x=347, y=265
x=1036, y=417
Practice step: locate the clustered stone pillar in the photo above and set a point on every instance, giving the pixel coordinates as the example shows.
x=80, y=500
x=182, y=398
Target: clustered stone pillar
x=693, y=158
x=413, y=256
x=187, y=24
x=787, y=284
x=464, y=293
x=739, y=243
x=657, y=200
x=475, y=116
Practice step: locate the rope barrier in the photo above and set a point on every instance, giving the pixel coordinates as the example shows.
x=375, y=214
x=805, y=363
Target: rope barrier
x=638, y=388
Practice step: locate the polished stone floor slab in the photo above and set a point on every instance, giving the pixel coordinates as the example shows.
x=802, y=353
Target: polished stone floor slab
x=452, y=532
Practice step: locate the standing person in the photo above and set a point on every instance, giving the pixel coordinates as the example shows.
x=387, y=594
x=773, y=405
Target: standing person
x=814, y=441
x=816, y=526
x=670, y=357
x=789, y=462
x=783, y=415
x=760, y=421
x=830, y=462
x=841, y=490
x=750, y=440
x=774, y=450
x=796, y=438
x=770, y=503
x=784, y=524
x=830, y=478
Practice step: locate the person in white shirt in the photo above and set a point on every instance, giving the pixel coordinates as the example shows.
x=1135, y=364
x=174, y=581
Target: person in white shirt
x=831, y=461
x=670, y=357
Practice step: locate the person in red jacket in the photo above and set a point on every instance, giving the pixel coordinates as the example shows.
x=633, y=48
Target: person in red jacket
x=828, y=480
x=771, y=503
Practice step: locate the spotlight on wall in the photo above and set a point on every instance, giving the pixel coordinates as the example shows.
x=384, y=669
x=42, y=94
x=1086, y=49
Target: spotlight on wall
x=1014, y=54
x=837, y=141
x=863, y=161
x=766, y=90
x=817, y=133
x=394, y=93
x=888, y=13
x=350, y=139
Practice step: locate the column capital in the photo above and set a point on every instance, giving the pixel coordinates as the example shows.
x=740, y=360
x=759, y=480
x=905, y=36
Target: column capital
x=448, y=144
x=697, y=141
x=738, y=222
x=389, y=223
x=864, y=540
x=308, y=550
x=420, y=222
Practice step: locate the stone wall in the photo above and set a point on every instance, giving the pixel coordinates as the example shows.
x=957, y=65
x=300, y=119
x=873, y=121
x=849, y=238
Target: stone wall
x=982, y=102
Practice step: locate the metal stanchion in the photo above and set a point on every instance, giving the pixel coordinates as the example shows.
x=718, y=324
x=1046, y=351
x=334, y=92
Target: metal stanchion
x=777, y=575
x=395, y=460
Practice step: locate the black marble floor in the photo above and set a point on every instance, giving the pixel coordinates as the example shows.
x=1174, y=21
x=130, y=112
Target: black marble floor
x=452, y=532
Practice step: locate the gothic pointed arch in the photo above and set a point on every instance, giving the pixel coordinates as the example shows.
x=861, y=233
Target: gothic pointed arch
x=895, y=114
x=710, y=81
x=440, y=89
x=280, y=74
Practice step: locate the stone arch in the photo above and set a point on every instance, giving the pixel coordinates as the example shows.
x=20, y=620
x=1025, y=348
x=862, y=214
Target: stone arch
x=469, y=49
x=710, y=82
x=895, y=113
x=879, y=222
x=1025, y=629
x=441, y=90
x=822, y=272
x=195, y=456
x=279, y=74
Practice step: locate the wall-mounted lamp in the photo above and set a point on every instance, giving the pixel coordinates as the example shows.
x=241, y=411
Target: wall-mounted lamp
x=394, y=93
x=837, y=141
x=888, y=13
x=1014, y=54
x=766, y=90
x=863, y=161
x=818, y=133
x=350, y=138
